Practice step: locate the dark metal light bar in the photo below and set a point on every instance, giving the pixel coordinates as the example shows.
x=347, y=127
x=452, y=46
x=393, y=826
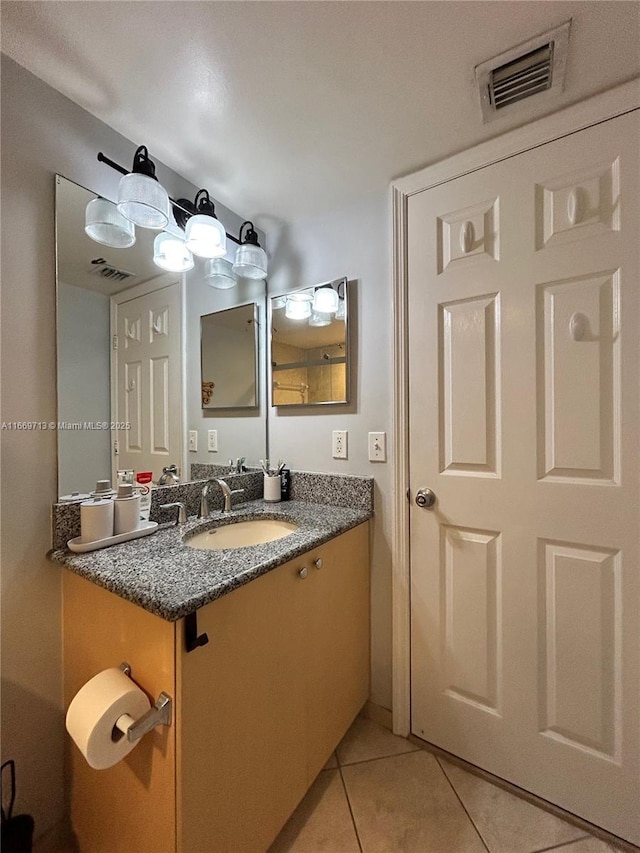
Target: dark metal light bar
x=104, y=159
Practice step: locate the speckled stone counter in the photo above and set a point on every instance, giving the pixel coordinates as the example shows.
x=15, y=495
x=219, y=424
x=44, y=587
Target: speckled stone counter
x=170, y=579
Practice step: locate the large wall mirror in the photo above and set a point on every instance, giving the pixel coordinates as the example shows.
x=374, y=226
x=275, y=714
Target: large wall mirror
x=310, y=346
x=128, y=335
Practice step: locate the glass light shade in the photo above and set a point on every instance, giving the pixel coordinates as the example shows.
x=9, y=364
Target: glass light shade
x=342, y=311
x=219, y=273
x=278, y=302
x=317, y=318
x=144, y=201
x=325, y=300
x=106, y=225
x=250, y=262
x=298, y=306
x=205, y=236
x=170, y=253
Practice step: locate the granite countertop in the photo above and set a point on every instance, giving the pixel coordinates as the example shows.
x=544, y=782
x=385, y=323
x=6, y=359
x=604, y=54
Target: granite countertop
x=170, y=579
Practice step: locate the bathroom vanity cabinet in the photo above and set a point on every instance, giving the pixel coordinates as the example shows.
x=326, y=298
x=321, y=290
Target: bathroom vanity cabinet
x=258, y=710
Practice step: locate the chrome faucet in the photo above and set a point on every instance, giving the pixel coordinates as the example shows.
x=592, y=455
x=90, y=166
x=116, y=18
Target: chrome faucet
x=237, y=467
x=204, y=512
x=228, y=493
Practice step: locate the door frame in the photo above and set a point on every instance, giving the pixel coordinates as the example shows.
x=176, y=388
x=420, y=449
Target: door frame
x=143, y=289
x=594, y=110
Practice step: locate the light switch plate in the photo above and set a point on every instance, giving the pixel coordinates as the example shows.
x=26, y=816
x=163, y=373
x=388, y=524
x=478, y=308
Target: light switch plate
x=193, y=440
x=377, y=447
x=339, y=443
x=212, y=440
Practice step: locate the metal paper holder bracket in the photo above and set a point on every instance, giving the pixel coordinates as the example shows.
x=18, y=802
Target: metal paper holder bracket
x=159, y=715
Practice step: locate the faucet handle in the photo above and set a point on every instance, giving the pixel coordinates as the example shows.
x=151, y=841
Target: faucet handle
x=182, y=512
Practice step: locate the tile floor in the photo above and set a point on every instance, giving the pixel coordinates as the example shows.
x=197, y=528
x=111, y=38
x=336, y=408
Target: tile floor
x=381, y=794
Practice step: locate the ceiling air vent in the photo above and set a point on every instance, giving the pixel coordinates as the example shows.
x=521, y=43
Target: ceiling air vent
x=533, y=68
x=99, y=267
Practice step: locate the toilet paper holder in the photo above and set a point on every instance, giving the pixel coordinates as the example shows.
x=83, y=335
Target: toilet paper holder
x=158, y=715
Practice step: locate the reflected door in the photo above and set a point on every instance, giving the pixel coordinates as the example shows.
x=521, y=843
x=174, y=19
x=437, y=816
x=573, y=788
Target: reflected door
x=148, y=371
x=525, y=577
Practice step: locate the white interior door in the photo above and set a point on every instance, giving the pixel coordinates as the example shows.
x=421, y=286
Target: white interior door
x=524, y=337
x=148, y=375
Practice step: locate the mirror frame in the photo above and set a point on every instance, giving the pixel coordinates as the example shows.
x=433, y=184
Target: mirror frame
x=347, y=346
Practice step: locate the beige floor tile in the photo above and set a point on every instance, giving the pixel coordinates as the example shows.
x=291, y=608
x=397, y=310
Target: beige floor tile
x=587, y=845
x=366, y=739
x=321, y=823
x=404, y=804
x=507, y=823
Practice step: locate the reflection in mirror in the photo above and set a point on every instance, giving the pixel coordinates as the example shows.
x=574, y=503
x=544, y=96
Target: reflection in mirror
x=229, y=347
x=110, y=297
x=309, y=346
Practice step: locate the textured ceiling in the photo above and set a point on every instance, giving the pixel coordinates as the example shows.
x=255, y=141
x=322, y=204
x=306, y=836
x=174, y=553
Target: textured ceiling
x=290, y=109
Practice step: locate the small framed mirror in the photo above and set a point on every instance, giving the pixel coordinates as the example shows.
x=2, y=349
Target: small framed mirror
x=310, y=346
x=229, y=358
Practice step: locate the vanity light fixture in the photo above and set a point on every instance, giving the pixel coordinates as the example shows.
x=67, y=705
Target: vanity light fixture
x=325, y=300
x=169, y=249
x=298, y=306
x=141, y=199
x=251, y=259
x=341, y=312
x=318, y=318
x=104, y=223
x=204, y=233
x=278, y=302
x=219, y=273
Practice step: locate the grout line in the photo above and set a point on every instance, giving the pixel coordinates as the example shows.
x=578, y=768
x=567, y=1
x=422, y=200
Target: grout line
x=353, y=820
x=564, y=844
x=377, y=758
x=471, y=820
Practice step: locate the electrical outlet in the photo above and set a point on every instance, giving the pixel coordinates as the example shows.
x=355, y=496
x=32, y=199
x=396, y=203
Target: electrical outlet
x=193, y=440
x=212, y=441
x=377, y=447
x=340, y=443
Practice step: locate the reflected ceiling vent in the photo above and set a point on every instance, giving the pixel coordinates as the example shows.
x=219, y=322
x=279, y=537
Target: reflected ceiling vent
x=101, y=268
x=533, y=68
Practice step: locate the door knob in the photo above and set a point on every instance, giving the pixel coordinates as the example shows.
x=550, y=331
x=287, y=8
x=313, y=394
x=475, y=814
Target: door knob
x=425, y=498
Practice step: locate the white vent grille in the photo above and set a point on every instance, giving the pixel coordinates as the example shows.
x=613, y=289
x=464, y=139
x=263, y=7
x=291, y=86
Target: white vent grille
x=534, y=68
x=102, y=269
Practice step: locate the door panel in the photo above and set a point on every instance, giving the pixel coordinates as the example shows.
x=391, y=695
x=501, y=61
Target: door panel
x=524, y=335
x=149, y=380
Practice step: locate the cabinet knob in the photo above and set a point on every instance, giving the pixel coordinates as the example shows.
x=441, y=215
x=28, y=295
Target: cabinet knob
x=318, y=563
x=303, y=572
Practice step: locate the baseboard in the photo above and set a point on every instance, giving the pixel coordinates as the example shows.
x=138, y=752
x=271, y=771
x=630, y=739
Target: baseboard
x=545, y=805
x=377, y=714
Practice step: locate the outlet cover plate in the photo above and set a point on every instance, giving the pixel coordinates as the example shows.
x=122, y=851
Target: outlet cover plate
x=339, y=443
x=212, y=440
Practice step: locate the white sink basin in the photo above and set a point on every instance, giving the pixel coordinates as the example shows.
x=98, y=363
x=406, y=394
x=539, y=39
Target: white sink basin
x=241, y=534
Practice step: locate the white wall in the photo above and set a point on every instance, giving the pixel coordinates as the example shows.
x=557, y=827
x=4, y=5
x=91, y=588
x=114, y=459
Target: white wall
x=354, y=242
x=84, y=456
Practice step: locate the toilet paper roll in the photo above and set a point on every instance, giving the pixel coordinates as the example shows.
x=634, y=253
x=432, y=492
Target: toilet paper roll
x=95, y=717
x=96, y=519
x=126, y=514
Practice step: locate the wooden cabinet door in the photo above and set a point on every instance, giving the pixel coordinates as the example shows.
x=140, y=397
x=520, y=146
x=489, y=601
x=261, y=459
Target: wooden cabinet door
x=130, y=806
x=241, y=732
x=336, y=642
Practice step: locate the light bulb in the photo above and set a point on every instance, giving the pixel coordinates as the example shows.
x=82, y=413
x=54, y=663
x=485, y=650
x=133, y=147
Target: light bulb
x=205, y=236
